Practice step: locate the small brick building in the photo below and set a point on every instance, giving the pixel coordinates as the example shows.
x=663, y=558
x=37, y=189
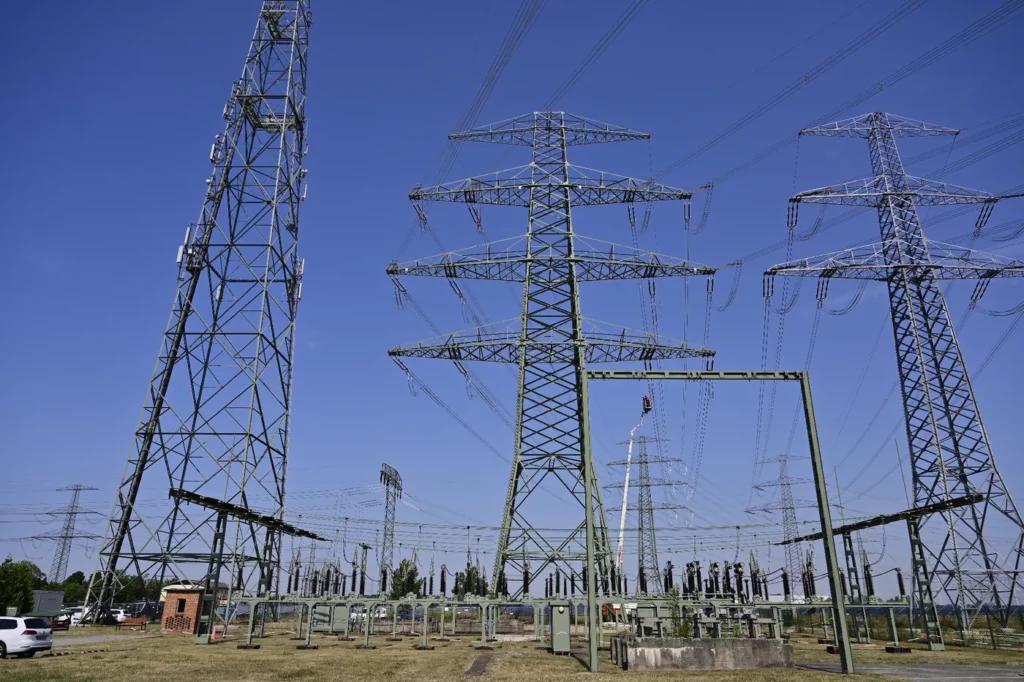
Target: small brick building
x=181, y=609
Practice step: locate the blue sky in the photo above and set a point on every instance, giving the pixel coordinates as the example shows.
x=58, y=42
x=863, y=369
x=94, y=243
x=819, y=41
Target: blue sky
x=111, y=116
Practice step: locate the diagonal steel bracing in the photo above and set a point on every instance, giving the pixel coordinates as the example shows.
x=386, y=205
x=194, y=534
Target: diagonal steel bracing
x=215, y=419
x=950, y=453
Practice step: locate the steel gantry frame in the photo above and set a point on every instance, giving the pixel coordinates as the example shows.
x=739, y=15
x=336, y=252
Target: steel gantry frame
x=949, y=448
x=215, y=418
x=821, y=490
x=551, y=345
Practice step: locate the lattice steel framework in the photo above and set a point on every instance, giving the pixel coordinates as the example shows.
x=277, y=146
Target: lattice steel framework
x=785, y=506
x=949, y=449
x=551, y=344
x=392, y=492
x=215, y=419
x=67, y=534
x=648, y=574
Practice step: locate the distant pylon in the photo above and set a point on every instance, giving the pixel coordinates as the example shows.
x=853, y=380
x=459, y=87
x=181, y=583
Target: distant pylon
x=62, y=552
x=392, y=492
x=785, y=505
x=950, y=452
x=648, y=578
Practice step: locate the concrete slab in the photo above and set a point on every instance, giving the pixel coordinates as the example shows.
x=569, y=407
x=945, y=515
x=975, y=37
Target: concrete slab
x=96, y=639
x=930, y=673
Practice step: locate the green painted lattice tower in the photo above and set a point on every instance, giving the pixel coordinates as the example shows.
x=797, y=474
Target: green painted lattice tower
x=950, y=451
x=552, y=342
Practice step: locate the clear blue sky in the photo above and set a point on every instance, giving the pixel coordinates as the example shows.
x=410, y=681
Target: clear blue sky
x=110, y=112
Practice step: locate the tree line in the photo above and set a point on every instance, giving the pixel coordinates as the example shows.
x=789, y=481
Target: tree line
x=19, y=578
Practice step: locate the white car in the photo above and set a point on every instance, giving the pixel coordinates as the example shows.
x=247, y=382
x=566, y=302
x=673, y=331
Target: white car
x=71, y=615
x=23, y=637
x=120, y=614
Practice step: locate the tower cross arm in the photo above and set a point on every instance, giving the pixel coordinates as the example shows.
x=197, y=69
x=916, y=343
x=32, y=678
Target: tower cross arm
x=515, y=187
x=557, y=346
x=874, y=191
x=947, y=261
x=521, y=130
x=507, y=260
x=867, y=124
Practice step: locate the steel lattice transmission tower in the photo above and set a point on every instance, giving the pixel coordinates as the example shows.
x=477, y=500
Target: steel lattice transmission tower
x=785, y=505
x=67, y=534
x=648, y=577
x=552, y=342
x=392, y=492
x=949, y=449
x=215, y=418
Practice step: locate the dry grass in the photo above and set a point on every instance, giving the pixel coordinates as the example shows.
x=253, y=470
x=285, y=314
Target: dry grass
x=177, y=657
x=807, y=650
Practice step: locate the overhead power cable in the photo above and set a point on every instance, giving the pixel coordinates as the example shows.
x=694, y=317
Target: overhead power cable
x=903, y=11
x=979, y=29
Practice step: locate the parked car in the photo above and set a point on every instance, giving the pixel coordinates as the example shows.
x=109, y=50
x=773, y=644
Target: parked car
x=71, y=615
x=119, y=614
x=23, y=637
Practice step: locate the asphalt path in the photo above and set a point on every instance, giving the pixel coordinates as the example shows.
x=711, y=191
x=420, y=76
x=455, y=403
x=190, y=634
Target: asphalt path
x=930, y=673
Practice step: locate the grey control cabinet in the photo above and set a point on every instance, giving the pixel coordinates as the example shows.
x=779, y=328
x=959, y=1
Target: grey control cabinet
x=560, y=628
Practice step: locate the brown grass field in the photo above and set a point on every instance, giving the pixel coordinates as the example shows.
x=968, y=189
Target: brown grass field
x=176, y=657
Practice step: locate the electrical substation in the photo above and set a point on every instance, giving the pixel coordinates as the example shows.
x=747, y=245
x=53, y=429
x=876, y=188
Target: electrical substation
x=629, y=571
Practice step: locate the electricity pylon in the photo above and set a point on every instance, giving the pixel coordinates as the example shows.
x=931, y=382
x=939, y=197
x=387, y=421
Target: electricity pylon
x=392, y=491
x=785, y=505
x=949, y=449
x=215, y=418
x=67, y=534
x=551, y=343
x=648, y=577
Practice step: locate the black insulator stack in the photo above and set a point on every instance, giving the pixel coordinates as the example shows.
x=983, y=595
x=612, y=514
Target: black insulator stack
x=444, y=587
x=869, y=581
x=572, y=584
x=526, y=582
x=842, y=579
x=558, y=582
x=353, y=589
x=785, y=585
x=899, y=583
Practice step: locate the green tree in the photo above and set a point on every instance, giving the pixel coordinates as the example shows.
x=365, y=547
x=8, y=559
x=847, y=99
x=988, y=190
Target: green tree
x=405, y=579
x=17, y=580
x=74, y=588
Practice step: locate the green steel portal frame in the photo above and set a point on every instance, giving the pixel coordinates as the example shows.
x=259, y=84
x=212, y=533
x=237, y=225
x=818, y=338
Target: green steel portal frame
x=824, y=511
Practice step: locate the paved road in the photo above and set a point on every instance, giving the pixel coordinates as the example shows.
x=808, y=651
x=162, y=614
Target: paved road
x=932, y=673
x=92, y=639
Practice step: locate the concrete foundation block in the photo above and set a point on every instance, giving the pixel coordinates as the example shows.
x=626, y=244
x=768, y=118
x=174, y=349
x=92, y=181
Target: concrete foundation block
x=677, y=653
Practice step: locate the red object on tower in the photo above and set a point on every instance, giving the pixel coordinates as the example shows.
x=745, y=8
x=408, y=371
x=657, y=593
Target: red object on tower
x=647, y=404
